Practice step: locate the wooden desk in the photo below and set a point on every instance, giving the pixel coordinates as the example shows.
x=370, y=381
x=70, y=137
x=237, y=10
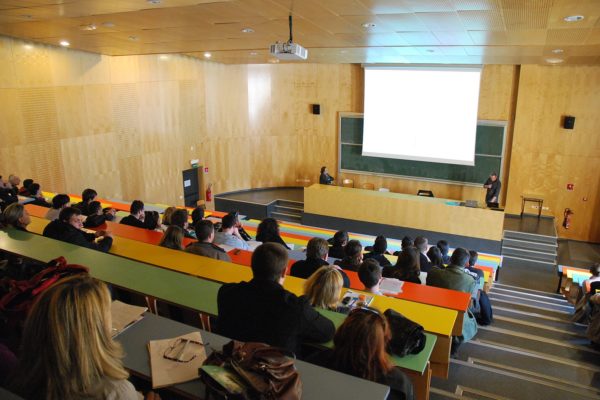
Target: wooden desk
x=317, y=382
x=423, y=213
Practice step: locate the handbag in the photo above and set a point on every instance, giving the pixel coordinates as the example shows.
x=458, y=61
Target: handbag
x=407, y=335
x=268, y=372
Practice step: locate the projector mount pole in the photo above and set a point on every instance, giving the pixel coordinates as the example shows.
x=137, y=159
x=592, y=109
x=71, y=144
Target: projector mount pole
x=290, y=21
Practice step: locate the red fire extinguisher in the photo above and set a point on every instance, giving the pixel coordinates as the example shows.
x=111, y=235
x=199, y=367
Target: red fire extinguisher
x=209, y=192
x=567, y=218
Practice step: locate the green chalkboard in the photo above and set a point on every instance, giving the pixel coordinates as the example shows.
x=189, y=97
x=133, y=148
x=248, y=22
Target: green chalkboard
x=489, y=146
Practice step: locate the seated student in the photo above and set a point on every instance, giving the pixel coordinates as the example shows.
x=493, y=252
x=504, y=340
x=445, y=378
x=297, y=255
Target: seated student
x=325, y=178
x=59, y=202
x=67, y=348
x=268, y=232
x=229, y=234
x=476, y=273
x=422, y=245
x=453, y=276
x=87, y=196
x=370, y=275
x=13, y=184
x=136, y=215
x=353, y=256
x=7, y=196
x=240, y=228
x=67, y=228
x=435, y=257
x=197, y=215
x=593, y=329
x=407, y=267
x=172, y=238
x=407, y=242
x=16, y=216
x=379, y=251
x=263, y=311
x=97, y=216
x=359, y=350
x=595, y=271
x=35, y=192
x=166, y=217
x=444, y=248
x=24, y=190
x=316, y=257
x=205, y=232
x=324, y=289
x=180, y=218
x=339, y=241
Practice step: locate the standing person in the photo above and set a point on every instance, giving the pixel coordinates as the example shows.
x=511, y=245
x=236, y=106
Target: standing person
x=492, y=184
x=263, y=311
x=325, y=178
x=68, y=352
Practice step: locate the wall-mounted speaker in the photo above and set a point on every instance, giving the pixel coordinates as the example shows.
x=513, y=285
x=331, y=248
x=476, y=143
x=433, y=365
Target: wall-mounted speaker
x=569, y=122
x=316, y=109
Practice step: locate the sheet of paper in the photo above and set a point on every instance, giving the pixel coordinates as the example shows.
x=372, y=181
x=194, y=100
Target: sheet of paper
x=123, y=315
x=167, y=372
x=391, y=286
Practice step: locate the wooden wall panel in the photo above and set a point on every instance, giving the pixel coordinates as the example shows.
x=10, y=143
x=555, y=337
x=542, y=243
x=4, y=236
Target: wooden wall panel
x=546, y=157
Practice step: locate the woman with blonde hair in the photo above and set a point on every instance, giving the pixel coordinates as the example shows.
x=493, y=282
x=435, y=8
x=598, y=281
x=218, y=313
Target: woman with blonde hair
x=166, y=217
x=323, y=288
x=172, y=238
x=67, y=348
x=16, y=215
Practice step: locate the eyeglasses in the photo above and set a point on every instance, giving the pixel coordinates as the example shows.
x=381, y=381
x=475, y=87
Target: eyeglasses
x=177, y=350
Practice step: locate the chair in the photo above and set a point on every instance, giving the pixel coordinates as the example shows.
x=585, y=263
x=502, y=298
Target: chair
x=348, y=183
x=368, y=186
x=425, y=193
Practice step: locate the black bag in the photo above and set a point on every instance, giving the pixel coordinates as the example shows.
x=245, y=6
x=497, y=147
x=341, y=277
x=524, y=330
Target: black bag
x=407, y=336
x=485, y=315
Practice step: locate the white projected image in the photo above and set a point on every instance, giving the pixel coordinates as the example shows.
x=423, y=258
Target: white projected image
x=423, y=114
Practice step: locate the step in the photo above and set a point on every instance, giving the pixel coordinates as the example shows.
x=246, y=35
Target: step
x=528, y=254
x=291, y=203
x=530, y=245
x=286, y=216
x=288, y=210
x=533, y=237
x=551, y=265
x=531, y=308
x=553, y=297
x=526, y=290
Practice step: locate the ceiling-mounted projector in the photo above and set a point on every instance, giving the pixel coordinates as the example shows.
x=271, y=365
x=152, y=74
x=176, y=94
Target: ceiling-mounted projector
x=289, y=50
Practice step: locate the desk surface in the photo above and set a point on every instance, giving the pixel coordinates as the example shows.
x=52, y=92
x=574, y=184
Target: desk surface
x=317, y=382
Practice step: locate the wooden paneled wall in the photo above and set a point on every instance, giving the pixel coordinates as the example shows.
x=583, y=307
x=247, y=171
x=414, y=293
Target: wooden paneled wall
x=545, y=157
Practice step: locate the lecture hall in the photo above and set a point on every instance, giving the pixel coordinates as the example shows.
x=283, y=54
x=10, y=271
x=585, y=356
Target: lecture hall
x=300, y=199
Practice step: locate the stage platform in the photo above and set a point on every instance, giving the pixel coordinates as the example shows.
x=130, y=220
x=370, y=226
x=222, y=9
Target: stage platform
x=284, y=203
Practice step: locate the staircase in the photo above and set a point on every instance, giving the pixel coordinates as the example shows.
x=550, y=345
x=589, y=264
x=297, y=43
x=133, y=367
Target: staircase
x=528, y=245
x=531, y=351
x=287, y=210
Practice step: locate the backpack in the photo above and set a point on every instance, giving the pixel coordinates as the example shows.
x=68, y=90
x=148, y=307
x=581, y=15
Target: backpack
x=407, y=336
x=485, y=315
x=267, y=372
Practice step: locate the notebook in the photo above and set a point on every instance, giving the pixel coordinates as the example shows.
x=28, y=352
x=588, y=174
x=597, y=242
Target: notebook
x=391, y=286
x=352, y=299
x=124, y=315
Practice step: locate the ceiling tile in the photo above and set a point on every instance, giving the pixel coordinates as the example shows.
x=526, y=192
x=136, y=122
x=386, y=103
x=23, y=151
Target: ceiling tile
x=567, y=36
x=482, y=20
x=532, y=14
x=489, y=38
x=386, y=6
x=447, y=21
x=424, y=38
x=454, y=38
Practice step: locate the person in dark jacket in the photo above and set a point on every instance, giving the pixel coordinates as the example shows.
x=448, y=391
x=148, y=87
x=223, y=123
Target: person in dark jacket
x=422, y=245
x=67, y=228
x=325, y=178
x=205, y=232
x=406, y=268
x=136, y=215
x=379, y=251
x=338, y=242
x=263, y=311
x=353, y=256
x=24, y=190
x=35, y=192
x=268, y=232
x=316, y=257
x=360, y=350
x=444, y=249
x=476, y=273
x=180, y=218
x=492, y=194
x=97, y=216
x=87, y=196
x=435, y=257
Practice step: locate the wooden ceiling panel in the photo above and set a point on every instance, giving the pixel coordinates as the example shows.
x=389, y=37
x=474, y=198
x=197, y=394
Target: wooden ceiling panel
x=534, y=15
x=437, y=31
x=490, y=20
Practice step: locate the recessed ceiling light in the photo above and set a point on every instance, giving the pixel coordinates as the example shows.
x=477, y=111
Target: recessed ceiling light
x=153, y=2
x=163, y=57
x=554, y=60
x=343, y=51
x=108, y=24
x=574, y=18
x=247, y=30
x=28, y=46
x=253, y=53
x=133, y=38
x=88, y=27
x=274, y=60
x=207, y=55
x=557, y=51
x=368, y=25
x=64, y=43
